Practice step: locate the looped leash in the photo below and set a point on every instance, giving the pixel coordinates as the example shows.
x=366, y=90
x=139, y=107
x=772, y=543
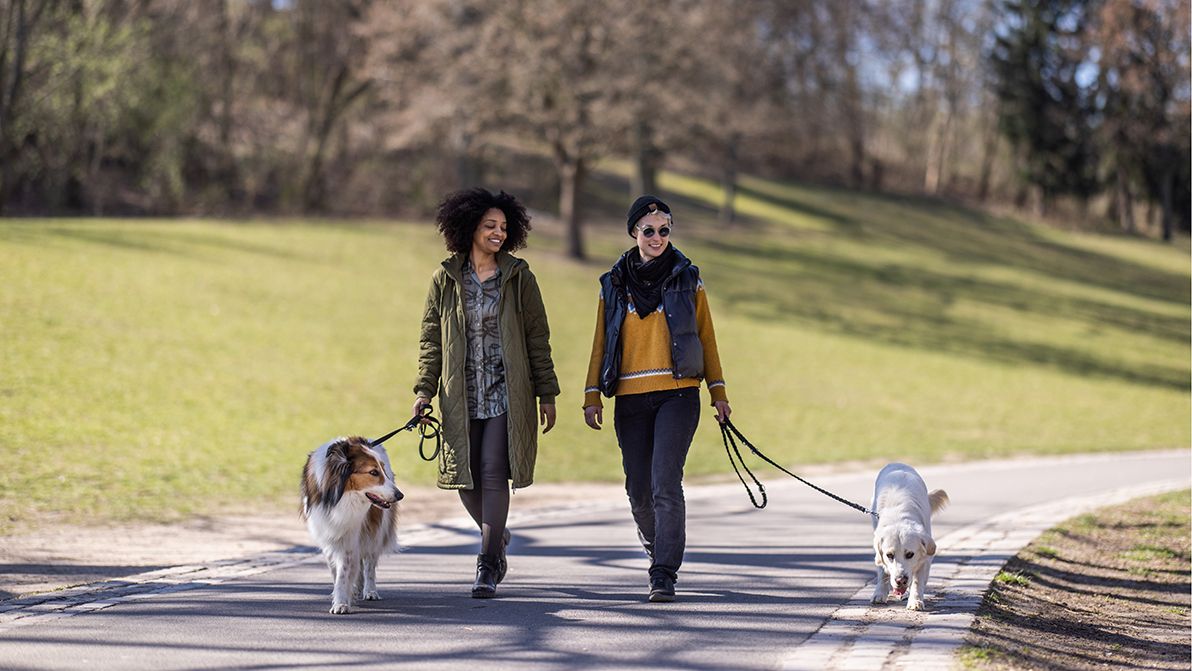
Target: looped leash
x=730, y=434
x=428, y=427
x=730, y=448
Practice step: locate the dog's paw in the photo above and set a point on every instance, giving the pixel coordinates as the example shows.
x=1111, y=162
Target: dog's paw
x=340, y=609
x=915, y=604
x=372, y=595
x=879, y=598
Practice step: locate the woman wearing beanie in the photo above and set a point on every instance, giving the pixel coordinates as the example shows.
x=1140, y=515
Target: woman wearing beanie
x=654, y=342
x=485, y=350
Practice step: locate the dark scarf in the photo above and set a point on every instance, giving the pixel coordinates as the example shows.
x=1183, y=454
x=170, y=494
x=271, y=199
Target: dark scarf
x=644, y=281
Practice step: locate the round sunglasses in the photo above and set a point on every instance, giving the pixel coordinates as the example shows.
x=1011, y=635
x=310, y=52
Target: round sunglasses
x=649, y=231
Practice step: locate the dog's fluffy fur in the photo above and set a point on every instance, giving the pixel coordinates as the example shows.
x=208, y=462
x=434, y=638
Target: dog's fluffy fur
x=902, y=543
x=349, y=501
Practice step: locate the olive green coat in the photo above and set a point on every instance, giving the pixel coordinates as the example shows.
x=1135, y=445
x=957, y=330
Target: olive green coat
x=525, y=347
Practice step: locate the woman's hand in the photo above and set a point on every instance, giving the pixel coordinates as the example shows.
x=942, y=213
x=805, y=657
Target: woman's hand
x=722, y=411
x=594, y=416
x=420, y=403
x=546, y=416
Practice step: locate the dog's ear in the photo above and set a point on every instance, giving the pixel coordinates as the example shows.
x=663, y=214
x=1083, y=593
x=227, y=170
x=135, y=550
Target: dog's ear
x=877, y=551
x=339, y=469
x=929, y=545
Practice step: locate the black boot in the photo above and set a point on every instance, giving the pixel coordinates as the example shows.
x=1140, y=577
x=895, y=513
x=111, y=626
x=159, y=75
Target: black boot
x=485, y=586
x=502, y=561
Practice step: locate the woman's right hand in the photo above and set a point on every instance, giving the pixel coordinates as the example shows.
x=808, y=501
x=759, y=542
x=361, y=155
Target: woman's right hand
x=419, y=404
x=594, y=416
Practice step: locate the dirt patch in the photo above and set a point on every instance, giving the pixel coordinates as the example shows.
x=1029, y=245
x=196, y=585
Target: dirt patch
x=56, y=556
x=1109, y=589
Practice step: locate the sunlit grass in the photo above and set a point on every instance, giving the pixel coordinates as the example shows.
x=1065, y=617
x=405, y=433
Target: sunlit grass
x=157, y=368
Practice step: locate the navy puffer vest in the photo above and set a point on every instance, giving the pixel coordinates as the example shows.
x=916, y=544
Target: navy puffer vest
x=678, y=302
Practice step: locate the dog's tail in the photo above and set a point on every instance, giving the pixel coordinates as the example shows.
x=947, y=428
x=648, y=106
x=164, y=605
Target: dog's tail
x=939, y=499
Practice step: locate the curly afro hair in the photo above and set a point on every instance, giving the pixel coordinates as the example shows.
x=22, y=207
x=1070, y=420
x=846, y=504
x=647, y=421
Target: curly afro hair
x=460, y=213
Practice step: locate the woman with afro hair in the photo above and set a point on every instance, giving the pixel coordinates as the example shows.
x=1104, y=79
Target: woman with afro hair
x=485, y=351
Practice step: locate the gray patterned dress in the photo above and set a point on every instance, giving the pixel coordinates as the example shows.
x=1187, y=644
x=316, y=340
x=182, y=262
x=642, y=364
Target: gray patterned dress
x=484, y=367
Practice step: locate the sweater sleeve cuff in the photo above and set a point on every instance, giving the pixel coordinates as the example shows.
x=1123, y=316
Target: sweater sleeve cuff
x=717, y=390
x=546, y=400
x=592, y=398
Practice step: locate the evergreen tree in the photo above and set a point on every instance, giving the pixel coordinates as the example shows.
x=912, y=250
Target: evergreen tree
x=1045, y=110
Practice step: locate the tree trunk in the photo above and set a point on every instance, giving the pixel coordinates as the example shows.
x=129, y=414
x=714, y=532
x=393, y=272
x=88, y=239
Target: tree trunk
x=935, y=141
x=1166, y=187
x=857, y=143
x=938, y=150
x=571, y=173
x=226, y=162
x=11, y=88
x=728, y=183
x=1124, y=201
x=989, y=151
x=645, y=161
x=314, y=187
x=467, y=173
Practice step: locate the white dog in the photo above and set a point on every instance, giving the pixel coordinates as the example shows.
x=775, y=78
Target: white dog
x=902, y=543
x=349, y=503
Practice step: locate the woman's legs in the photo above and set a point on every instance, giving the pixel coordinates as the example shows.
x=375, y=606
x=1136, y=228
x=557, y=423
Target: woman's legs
x=488, y=500
x=674, y=427
x=633, y=421
x=654, y=431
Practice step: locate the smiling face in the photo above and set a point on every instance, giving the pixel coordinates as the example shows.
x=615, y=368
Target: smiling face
x=648, y=232
x=490, y=233
x=902, y=554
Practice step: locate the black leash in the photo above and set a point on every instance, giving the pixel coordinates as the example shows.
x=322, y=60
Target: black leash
x=730, y=434
x=428, y=427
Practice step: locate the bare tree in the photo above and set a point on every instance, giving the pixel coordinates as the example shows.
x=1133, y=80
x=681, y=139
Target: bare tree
x=1144, y=50
x=20, y=23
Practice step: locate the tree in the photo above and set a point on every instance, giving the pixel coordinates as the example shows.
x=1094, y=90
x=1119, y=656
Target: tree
x=1045, y=111
x=1144, y=89
x=729, y=92
x=22, y=23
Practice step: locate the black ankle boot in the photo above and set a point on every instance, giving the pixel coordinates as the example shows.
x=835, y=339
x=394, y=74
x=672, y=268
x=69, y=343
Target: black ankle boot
x=486, y=577
x=502, y=561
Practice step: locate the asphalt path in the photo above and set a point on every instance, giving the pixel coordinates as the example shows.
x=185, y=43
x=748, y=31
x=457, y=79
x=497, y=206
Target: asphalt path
x=754, y=586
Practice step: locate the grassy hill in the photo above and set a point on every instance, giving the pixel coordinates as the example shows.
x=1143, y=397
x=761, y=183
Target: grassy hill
x=157, y=368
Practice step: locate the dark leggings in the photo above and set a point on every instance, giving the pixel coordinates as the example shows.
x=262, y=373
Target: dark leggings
x=488, y=499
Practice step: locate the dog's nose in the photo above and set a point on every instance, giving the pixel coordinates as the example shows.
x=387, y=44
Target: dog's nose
x=397, y=495
x=901, y=580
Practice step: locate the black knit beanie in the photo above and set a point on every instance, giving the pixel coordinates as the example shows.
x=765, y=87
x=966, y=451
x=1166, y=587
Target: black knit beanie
x=641, y=207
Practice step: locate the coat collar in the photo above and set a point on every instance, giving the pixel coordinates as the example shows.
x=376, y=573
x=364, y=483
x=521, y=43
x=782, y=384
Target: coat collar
x=507, y=263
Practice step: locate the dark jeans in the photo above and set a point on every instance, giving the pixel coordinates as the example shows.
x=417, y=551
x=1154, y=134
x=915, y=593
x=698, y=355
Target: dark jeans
x=655, y=431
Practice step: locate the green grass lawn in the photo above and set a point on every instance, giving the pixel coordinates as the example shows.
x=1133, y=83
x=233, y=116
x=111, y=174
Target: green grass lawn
x=160, y=368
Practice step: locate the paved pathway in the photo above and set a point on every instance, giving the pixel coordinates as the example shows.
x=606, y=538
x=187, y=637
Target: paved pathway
x=783, y=587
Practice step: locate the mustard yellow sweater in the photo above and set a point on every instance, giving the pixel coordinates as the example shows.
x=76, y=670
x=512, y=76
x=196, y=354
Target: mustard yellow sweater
x=646, y=354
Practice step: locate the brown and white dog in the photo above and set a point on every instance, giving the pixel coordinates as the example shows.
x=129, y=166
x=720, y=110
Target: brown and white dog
x=349, y=504
x=902, y=544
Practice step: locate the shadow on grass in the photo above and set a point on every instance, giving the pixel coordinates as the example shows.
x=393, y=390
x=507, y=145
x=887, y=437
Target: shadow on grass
x=950, y=309
x=971, y=237
x=911, y=307
x=181, y=241
x=839, y=280
x=1085, y=607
